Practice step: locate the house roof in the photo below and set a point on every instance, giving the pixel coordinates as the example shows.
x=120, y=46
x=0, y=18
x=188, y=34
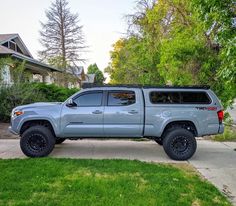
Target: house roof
x=7, y=37
x=26, y=56
x=4, y=50
x=75, y=70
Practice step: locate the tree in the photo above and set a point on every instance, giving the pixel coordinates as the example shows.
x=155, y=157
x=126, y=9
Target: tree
x=61, y=36
x=133, y=61
x=99, y=77
x=178, y=42
x=220, y=32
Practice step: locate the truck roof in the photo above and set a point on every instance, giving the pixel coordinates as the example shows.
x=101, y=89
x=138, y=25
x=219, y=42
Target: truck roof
x=88, y=85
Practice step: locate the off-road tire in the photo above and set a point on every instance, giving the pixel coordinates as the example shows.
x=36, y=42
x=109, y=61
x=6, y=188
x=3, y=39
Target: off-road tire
x=37, y=141
x=179, y=144
x=60, y=140
x=159, y=141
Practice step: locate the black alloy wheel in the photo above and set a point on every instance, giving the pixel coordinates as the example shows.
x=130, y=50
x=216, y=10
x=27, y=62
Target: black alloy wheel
x=37, y=141
x=179, y=144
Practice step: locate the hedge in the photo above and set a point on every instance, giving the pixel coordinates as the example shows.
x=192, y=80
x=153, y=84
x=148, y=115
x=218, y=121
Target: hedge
x=26, y=93
x=54, y=93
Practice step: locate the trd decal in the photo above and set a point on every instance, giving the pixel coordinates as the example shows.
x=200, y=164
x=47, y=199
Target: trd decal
x=207, y=108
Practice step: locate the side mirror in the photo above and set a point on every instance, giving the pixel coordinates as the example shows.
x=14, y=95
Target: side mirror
x=71, y=103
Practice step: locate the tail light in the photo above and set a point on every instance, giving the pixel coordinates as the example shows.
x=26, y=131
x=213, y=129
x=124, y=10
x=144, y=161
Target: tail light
x=220, y=116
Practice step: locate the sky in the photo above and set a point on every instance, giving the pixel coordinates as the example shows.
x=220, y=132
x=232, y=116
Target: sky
x=103, y=23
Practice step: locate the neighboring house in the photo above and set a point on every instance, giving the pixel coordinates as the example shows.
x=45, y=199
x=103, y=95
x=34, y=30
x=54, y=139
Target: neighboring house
x=89, y=78
x=82, y=77
x=11, y=45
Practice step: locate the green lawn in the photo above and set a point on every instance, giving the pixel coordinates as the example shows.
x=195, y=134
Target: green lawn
x=102, y=182
x=228, y=135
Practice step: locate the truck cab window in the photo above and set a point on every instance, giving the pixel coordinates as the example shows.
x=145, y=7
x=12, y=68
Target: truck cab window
x=121, y=98
x=89, y=99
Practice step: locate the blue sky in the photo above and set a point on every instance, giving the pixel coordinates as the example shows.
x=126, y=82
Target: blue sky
x=103, y=22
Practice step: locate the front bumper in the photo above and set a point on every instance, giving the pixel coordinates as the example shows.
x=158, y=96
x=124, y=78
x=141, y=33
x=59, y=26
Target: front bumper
x=12, y=131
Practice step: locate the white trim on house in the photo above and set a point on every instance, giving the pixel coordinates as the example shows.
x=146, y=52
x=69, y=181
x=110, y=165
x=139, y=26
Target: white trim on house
x=6, y=75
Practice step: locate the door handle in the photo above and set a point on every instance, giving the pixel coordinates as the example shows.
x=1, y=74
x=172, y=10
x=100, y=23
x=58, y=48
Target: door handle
x=133, y=112
x=97, y=112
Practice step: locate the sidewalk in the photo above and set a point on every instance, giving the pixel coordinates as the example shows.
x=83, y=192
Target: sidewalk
x=216, y=161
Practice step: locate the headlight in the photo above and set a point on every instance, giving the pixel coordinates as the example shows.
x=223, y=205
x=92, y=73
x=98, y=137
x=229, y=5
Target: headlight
x=17, y=113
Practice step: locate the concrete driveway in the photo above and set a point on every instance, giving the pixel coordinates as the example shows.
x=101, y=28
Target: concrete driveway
x=214, y=160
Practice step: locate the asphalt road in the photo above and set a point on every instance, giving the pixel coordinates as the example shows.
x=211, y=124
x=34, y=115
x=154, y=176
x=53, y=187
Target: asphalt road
x=214, y=160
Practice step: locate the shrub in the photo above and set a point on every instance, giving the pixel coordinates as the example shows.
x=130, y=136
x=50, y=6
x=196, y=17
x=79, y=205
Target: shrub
x=15, y=95
x=26, y=93
x=54, y=93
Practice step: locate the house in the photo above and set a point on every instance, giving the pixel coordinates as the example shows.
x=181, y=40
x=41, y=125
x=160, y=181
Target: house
x=11, y=45
x=84, y=78
x=81, y=76
x=89, y=78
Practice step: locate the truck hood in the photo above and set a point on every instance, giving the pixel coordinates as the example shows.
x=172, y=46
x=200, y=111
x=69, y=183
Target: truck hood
x=39, y=105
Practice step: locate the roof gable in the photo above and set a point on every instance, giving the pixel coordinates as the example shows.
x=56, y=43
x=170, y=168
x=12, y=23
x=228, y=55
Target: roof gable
x=4, y=38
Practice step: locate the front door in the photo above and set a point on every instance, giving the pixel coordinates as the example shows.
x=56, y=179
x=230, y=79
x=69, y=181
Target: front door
x=123, y=114
x=85, y=119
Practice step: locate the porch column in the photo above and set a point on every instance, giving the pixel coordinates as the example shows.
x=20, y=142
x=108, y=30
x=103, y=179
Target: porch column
x=47, y=78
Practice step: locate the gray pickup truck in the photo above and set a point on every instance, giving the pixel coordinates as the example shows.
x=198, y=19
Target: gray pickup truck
x=172, y=116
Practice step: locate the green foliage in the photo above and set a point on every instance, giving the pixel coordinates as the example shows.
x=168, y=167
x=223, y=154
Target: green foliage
x=99, y=77
x=64, y=77
x=58, y=62
x=45, y=181
x=54, y=93
x=21, y=92
x=217, y=19
x=134, y=61
x=17, y=70
x=26, y=93
x=179, y=42
x=229, y=135
x=15, y=95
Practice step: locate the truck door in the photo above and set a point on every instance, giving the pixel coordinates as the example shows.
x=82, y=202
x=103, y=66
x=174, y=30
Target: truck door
x=85, y=119
x=123, y=113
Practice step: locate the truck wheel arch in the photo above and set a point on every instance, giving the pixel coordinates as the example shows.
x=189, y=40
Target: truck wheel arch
x=30, y=123
x=188, y=125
